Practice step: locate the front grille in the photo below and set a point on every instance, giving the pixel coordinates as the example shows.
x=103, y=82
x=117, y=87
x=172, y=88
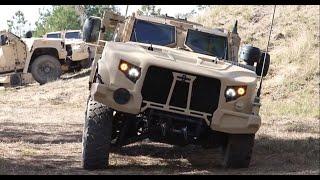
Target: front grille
x=204, y=96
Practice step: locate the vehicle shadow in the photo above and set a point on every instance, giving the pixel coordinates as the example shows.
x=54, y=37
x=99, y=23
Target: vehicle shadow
x=40, y=133
x=270, y=155
x=76, y=74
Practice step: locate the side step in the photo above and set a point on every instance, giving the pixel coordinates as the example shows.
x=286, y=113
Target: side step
x=16, y=79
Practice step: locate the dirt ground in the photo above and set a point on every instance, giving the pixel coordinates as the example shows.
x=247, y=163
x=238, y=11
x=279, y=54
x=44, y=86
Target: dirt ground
x=41, y=128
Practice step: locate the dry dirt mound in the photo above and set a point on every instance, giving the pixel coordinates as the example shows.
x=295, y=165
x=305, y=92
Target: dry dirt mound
x=292, y=84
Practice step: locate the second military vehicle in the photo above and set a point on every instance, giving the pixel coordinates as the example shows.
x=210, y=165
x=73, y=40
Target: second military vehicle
x=23, y=60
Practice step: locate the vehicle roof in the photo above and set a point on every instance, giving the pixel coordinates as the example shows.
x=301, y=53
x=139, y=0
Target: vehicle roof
x=54, y=32
x=183, y=22
x=64, y=31
x=72, y=31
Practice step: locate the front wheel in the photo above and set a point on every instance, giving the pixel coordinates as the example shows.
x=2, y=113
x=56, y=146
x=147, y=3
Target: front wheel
x=96, y=136
x=238, y=150
x=46, y=68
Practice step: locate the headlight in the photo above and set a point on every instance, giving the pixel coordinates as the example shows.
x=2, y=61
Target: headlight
x=134, y=72
x=131, y=71
x=234, y=92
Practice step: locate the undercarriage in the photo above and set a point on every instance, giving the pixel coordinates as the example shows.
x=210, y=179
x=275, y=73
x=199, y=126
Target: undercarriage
x=164, y=127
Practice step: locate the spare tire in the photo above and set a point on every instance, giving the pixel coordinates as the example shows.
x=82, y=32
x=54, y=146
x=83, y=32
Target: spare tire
x=250, y=54
x=260, y=65
x=46, y=68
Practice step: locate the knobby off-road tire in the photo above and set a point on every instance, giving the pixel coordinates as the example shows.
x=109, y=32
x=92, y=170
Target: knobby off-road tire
x=96, y=136
x=238, y=150
x=46, y=68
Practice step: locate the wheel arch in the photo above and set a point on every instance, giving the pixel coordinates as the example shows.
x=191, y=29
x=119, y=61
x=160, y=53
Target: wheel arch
x=43, y=51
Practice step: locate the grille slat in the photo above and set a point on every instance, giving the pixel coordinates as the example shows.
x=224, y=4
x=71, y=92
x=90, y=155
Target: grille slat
x=204, y=96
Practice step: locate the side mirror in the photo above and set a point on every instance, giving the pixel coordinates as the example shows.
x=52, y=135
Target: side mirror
x=260, y=64
x=3, y=40
x=91, y=29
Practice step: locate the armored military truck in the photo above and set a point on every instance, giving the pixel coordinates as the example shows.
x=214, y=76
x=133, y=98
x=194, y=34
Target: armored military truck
x=23, y=60
x=171, y=81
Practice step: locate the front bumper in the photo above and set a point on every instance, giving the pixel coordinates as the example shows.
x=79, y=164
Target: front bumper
x=223, y=120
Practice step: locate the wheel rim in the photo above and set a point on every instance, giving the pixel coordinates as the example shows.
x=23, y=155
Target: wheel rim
x=47, y=71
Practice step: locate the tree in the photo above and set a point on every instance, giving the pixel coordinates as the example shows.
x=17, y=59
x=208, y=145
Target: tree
x=149, y=10
x=61, y=18
x=17, y=23
x=97, y=10
x=93, y=10
x=67, y=17
x=41, y=23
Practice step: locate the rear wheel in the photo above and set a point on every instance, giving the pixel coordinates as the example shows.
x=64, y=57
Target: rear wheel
x=238, y=150
x=96, y=136
x=46, y=68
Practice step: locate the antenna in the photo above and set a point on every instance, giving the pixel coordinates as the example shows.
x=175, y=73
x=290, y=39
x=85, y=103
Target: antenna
x=127, y=10
x=235, y=28
x=265, y=55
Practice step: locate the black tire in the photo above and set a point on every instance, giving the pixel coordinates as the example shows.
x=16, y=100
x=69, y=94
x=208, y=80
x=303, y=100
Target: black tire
x=260, y=65
x=96, y=136
x=86, y=63
x=238, y=150
x=46, y=68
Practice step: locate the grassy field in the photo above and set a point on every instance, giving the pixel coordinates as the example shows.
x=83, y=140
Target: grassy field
x=41, y=126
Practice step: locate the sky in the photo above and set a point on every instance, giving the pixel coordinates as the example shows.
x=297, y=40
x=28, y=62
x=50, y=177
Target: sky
x=31, y=12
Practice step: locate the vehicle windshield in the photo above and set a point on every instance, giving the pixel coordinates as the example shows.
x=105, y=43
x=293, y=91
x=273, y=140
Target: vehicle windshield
x=153, y=33
x=55, y=35
x=206, y=43
x=73, y=35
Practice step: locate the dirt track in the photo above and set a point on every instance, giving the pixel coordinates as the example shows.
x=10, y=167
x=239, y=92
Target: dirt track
x=41, y=127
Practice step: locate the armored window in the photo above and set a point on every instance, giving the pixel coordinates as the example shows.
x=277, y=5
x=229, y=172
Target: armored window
x=73, y=35
x=153, y=33
x=206, y=43
x=3, y=40
x=56, y=35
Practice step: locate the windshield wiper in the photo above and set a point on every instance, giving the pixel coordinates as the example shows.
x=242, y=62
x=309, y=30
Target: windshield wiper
x=135, y=34
x=225, y=53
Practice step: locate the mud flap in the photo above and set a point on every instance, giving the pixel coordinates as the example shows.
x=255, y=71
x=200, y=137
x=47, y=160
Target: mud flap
x=16, y=79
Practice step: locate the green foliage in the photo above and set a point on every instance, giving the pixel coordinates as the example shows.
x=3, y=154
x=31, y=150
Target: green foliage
x=67, y=17
x=61, y=18
x=16, y=24
x=149, y=10
x=97, y=10
x=41, y=23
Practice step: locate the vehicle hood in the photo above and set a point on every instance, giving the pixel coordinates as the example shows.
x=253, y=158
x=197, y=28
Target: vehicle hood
x=190, y=61
x=30, y=41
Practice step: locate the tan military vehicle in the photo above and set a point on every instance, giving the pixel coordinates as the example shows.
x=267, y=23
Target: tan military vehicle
x=171, y=81
x=23, y=60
